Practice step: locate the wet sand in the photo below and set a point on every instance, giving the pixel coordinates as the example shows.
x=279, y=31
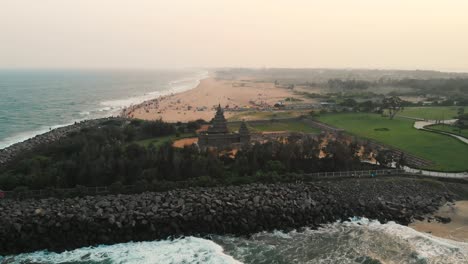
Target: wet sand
x=456, y=229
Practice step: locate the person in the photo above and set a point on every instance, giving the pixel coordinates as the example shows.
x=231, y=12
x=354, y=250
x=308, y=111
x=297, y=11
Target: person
x=2, y=194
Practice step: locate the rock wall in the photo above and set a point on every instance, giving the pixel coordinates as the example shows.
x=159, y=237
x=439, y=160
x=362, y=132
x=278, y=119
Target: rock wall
x=62, y=224
x=12, y=151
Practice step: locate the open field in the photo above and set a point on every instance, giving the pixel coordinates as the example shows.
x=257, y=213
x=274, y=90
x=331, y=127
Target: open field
x=450, y=129
x=158, y=141
x=431, y=112
x=265, y=115
x=446, y=152
x=290, y=126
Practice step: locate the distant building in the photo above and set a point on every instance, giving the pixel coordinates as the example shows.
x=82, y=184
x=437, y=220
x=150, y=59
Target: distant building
x=327, y=104
x=218, y=134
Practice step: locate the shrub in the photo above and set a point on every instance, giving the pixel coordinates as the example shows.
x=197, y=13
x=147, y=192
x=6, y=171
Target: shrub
x=116, y=187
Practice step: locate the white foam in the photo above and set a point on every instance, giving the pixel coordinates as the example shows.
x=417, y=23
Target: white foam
x=19, y=137
x=177, y=86
x=185, y=250
x=426, y=245
x=110, y=108
x=348, y=242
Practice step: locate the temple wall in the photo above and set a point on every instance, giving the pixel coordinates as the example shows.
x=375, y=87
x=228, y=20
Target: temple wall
x=218, y=140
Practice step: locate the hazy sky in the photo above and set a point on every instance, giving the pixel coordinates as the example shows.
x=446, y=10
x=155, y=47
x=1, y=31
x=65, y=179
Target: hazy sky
x=408, y=34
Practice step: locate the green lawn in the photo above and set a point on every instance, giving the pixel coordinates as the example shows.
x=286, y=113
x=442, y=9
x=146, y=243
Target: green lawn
x=431, y=112
x=259, y=115
x=450, y=129
x=158, y=141
x=448, y=153
x=291, y=126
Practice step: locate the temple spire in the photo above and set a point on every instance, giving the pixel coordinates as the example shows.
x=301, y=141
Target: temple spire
x=219, y=123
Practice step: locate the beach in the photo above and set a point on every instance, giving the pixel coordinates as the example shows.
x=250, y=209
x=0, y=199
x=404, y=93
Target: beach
x=456, y=229
x=200, y=102
x=33, y=102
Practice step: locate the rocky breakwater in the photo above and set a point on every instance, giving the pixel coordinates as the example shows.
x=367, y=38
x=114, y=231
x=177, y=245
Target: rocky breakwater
x=53, y=135
x=60, y=224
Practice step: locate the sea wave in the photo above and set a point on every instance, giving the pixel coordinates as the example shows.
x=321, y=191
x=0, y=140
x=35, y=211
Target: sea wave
x=359, y=240
x=176, y=86
x=109, y=108
x=22, y=136
x=184, y=250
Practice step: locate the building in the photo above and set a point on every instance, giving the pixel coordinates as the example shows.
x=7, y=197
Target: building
x=218, y=134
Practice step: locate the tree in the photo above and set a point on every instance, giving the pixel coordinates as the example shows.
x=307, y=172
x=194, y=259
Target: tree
x=393, y=105
x=462, y=121
x=401, y=161
x=384, y=157
x=349, y=102
x=461, y=111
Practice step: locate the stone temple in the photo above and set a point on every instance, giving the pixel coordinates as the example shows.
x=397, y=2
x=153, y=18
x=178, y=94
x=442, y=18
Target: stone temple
x=218, y=134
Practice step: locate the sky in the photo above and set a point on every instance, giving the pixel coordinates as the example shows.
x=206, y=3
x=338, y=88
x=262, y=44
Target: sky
x=397, y=34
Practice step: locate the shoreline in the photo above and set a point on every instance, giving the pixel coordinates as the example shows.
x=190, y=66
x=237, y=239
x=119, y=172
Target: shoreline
x=9, y=153
x=456, y=217
x=30, y=225
x=109, y=109
x=201, y=102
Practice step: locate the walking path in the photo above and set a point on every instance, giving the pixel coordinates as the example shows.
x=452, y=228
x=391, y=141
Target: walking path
x=437, y=174
x=422, y=124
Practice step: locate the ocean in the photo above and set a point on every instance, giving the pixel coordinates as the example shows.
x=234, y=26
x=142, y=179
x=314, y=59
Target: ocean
x=34, y=101
x=354, y=241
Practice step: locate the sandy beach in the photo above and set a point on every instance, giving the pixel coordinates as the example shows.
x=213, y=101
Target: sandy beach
x=456, y=229
x=201, y=101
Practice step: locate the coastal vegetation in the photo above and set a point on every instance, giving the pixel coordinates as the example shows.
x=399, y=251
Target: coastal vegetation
x=279, y=125
x=265, y=115
x=447, y=153
x=123, y=152
x=431, y=112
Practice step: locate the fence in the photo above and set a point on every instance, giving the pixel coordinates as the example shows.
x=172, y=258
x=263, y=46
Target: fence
x=355, y=174
x=455, y=175
x=127, y=189
x=322, y=126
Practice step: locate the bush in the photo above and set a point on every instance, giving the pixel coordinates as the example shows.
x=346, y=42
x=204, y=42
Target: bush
x=204, y=181
x=21, y=189
x=116, y=188
x=142, y=186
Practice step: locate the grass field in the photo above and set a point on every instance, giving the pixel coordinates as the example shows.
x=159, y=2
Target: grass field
x=450, y=129
x=290, y=126
x=446, y=152
x=158, y=141
x=431, y=112
x=258, y=115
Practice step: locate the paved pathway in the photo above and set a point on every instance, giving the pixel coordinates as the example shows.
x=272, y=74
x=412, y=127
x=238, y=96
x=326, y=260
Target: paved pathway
x=422, y=126
x=455, y=175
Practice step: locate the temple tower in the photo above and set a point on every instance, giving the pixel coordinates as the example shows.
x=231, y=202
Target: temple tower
x=219, y=124
x=218, y=134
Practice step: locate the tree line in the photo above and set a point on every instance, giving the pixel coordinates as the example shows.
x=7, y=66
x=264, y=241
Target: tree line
x=112, y=154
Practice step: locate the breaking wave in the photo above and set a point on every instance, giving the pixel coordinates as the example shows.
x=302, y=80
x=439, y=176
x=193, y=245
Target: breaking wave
x=185, y=250
x=357, y=241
